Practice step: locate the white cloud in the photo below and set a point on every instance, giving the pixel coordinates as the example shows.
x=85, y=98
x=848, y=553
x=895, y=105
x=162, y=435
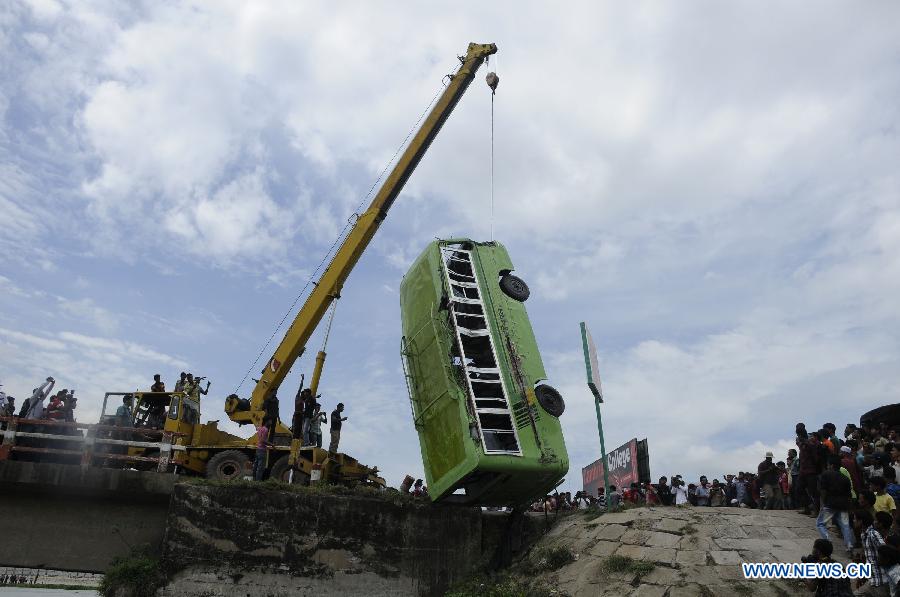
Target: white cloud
x=86, y=309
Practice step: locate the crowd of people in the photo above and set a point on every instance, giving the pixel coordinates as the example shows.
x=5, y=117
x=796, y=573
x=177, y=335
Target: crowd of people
x=42, y=404
x=848, y=483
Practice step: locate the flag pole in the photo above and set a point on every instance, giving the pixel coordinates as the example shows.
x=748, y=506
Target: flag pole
x=593, y=376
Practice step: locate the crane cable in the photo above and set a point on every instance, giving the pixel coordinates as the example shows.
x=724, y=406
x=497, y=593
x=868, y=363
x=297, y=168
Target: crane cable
x=328, y=328
x=340, y=237
x=492, y=80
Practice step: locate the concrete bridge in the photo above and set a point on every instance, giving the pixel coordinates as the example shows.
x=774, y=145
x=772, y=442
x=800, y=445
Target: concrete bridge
x=241, y=538
x=68, y=518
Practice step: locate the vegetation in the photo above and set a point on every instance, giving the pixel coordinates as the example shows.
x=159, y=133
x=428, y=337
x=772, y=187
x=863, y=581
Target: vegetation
x=551, y=558
x=139, y=573
x=359, y=490
x=501, y=586
x=625, y=565
x=741, y=589
x=689, y=529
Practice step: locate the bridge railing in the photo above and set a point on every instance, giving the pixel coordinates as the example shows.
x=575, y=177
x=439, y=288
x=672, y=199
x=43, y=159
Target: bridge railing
x=41, y=440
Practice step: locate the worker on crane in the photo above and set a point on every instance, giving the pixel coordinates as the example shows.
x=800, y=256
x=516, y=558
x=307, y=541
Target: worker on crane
x=262, y=451
x=182, y=381
x=192, y=387
x=158, y=385
x=271, y=409
x=336, y=421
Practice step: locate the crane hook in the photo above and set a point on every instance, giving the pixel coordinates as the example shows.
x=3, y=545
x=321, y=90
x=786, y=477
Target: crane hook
x=492, y=80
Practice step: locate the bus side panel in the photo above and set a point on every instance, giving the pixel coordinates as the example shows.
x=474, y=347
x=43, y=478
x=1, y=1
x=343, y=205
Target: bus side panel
x=439, y=402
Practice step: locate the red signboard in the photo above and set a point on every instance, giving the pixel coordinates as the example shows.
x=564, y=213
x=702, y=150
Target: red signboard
x=623, y=469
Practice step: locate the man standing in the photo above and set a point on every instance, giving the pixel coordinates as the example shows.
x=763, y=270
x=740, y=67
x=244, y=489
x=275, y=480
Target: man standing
x=807, y=490
x=701, y=493
x=315, y=426
x=871, y=539
x=195, y=390
x=767, y=476
x=124, y=417
x=179, y=385
x=336, y=421
x=309, y=407
x=793, y=466
x=34, y=407
x=259, y=463
x=297, y=417
x=664, y=492
x=834, y=489
x=272, y=411
x=831, y=431
x=188, y=385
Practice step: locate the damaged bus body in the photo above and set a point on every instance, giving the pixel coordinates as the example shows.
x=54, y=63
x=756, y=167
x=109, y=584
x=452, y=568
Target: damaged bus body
x=488, y=429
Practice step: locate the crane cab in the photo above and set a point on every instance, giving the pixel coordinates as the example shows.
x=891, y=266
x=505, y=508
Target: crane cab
x=488, y=427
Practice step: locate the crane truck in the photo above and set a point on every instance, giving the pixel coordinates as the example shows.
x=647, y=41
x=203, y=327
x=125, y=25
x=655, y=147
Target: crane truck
x=219, y=455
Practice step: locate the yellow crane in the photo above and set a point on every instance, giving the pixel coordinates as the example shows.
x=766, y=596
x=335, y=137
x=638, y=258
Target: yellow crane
x=203, y=449
x=329, y=286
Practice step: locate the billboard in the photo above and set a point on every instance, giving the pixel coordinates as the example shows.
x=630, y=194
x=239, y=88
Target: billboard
x=591, y=363
x=629, y=463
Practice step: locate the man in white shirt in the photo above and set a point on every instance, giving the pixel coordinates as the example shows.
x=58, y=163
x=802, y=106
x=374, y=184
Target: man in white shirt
x=36, y=402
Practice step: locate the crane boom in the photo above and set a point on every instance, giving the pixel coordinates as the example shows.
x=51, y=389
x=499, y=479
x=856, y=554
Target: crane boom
x=330, y=284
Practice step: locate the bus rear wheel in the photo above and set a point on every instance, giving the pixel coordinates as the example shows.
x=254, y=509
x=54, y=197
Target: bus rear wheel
x=550, y=400
x=515, y=288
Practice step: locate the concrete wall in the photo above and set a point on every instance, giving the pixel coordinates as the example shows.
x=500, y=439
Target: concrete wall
x=241, y=539
x=254, y=541
x=58, y=516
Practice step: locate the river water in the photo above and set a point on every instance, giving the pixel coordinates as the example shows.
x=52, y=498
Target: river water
x=36, y=592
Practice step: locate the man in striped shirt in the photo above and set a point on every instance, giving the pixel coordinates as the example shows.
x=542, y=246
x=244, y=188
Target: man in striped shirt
x=871, y=540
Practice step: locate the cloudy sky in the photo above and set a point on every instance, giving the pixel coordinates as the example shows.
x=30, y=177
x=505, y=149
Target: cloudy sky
x=712, y=186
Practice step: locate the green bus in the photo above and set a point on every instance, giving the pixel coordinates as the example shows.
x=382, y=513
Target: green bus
x=488, y=428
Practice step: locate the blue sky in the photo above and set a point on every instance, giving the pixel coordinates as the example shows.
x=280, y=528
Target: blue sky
x=712, y=187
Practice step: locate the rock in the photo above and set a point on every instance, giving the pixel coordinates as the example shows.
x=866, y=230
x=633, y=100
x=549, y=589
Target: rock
x=670, y=525
x=610, y=532
x=657, y=539
x=726, y=557
x=662, y=555
x=694, y=557
x=626, y=517
x=601, y=549
x=649, y=591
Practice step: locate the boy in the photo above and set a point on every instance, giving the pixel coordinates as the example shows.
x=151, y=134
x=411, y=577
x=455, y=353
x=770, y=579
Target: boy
x=883, y=502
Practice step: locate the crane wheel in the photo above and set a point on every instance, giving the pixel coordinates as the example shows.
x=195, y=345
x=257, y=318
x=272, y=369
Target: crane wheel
x=281, y=471
x=227, y=466
x=515, y=288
